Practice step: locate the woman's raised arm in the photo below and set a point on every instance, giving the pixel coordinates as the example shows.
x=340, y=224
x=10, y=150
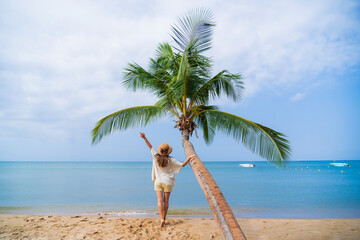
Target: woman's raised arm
x=142, y=135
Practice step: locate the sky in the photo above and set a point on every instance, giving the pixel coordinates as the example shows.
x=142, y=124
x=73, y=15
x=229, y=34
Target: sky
x=61, y=65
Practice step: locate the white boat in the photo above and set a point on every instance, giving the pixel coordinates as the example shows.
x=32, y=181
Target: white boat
x=339, y=164
x=246, y=165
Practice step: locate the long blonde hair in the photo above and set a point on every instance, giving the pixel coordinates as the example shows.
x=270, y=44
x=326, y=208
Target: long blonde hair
x=162, y=160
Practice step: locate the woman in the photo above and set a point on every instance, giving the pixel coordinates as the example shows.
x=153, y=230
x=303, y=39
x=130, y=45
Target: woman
x=163, y=175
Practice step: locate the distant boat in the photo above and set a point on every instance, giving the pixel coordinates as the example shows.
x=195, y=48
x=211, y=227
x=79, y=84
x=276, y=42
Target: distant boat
x=246, y=165
x=339, y=164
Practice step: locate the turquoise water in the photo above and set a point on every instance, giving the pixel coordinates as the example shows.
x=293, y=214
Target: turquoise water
x=307, y=189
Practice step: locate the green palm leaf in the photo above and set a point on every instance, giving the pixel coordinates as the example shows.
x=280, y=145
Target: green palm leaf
x=223, y=82
x=200, y=118
x=167, y=102
x=136, y=77
x=208, y=131
x=156, y=80
x=180, y=83
x=164, y=102
x=165, y=55
x=194, y=29
x=127, y=118
x=261, y=140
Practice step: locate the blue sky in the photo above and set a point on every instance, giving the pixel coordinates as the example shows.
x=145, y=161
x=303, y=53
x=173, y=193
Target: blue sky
x=61, y=65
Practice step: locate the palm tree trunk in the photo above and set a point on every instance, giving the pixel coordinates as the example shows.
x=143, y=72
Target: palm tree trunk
x=227, y=224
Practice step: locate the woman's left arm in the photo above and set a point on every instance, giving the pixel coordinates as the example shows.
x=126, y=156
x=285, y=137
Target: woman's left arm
x=187, y=160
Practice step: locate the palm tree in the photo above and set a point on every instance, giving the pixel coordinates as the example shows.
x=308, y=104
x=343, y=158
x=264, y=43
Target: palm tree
x=180, y=77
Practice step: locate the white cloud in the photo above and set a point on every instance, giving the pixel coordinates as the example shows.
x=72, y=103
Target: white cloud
x=62, y=60
x=297, y=97
x=283, y=45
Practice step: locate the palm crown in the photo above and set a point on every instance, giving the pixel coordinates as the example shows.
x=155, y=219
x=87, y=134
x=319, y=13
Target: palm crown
x=180, y=77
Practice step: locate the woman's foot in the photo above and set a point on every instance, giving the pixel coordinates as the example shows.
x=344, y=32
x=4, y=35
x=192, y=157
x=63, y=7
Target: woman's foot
x=162, y=222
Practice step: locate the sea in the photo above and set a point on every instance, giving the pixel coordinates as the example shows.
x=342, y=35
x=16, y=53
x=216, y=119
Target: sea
x=303, y=189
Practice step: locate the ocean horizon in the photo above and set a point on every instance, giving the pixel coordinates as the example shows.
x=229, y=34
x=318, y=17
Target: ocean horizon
x=304, y=189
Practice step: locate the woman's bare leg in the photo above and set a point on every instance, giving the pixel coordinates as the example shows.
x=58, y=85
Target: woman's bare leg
x=166, y=203
x=160, y=204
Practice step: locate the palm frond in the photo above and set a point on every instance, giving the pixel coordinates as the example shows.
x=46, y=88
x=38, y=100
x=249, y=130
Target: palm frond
x=136, y=77
x=167, y=102
x=164, y=50
x=223, y=82
x=201, y=63
x=261, y=140
x=208, y=131
x=199, y=109
x=127, y=118
x=183, y=69
x=198, y=115
x=179, y=84
x=164, y=102
x=188, y=79
x=165, y=57
x=156, y=80
x=195, y=28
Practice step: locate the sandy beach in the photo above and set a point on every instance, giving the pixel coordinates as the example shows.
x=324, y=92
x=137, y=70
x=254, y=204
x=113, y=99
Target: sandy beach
x=102, y=227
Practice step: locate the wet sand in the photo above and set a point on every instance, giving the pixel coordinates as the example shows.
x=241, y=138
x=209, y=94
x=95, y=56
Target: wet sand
x=103, y=227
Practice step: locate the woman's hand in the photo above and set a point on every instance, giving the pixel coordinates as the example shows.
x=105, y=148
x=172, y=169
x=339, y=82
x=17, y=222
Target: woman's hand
x=188, y=159
x=142, y=135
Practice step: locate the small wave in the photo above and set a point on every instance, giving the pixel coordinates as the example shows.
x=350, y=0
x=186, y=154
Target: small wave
x=150, y=213
x=190, y=211
x=126, y=213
